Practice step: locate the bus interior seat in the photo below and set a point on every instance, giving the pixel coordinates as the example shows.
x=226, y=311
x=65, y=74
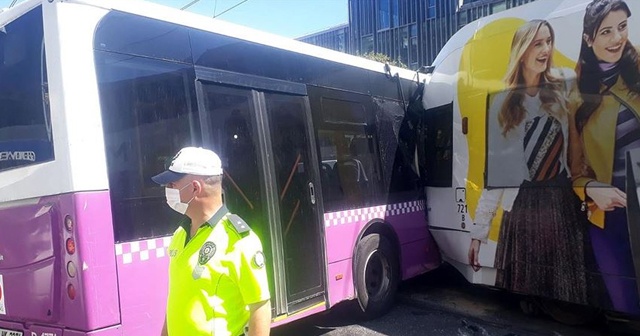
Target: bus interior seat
x=359, y=149
x=352, y=171
x=331, y=182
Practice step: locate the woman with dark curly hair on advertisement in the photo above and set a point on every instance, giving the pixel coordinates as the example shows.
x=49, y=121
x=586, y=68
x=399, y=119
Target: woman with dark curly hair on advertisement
x=606, y=128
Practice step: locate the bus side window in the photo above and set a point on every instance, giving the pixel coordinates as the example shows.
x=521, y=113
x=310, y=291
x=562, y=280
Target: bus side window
x=396, y=129
x=349, y=176
x=25, y=125
x=436, y=145
x=331, y=189
x=348, y=145
x=147, y=116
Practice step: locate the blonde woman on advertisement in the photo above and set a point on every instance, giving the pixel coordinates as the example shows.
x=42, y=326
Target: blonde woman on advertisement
x=608, y=126
x=541, y=244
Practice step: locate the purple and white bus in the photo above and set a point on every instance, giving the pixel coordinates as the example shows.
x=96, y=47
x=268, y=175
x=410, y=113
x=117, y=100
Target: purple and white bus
x=318, y=149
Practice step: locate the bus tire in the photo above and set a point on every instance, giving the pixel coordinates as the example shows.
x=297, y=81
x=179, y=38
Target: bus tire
x=376, y=275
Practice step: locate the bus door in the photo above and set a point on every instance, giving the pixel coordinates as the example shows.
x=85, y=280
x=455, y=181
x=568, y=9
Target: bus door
x=262, y=130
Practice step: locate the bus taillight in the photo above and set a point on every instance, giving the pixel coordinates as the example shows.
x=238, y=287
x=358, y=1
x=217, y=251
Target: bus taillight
x=71, y=269
x=71, y=246
x=71, y=291
x=68, y=223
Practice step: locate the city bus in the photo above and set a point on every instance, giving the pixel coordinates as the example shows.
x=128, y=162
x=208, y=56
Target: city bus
x=510, y=207
x=318, y=150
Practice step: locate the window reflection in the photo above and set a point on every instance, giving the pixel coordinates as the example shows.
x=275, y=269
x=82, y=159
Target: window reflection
x=25, y=122
x=147, y=117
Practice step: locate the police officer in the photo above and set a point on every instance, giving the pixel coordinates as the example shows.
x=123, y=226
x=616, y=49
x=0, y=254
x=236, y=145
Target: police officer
x=217, y=278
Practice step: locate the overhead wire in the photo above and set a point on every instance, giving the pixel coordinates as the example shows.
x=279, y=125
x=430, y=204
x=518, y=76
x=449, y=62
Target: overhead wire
x=189, y=4
x=232, y=7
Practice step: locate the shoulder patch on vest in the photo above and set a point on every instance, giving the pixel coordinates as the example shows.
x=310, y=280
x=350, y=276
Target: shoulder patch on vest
x=258, y=259
x=239, y=224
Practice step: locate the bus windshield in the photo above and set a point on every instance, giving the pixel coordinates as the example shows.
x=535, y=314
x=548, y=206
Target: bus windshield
x=25, y=128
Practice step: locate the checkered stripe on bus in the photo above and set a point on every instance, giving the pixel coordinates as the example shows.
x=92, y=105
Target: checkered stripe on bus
x=142, y=250
x=139, y=251
x=366, y=214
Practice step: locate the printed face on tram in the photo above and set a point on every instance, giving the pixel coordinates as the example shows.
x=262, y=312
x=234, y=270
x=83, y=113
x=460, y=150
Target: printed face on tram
x=611, y=37
x=536, y=59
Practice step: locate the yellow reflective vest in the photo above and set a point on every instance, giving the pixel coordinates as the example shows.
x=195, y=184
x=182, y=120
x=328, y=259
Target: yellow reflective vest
x=214, y=276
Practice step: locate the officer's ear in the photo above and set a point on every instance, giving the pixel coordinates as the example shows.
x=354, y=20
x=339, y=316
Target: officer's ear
x=197, y=186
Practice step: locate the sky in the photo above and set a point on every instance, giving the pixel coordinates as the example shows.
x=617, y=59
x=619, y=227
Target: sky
x=290, y=18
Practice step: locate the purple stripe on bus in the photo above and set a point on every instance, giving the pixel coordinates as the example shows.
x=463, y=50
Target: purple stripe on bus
x=299, y=315
x=340, y=281
x=112, y=331
x=143, y=293
x=95, y=263
x=143, y=265
x=343, y=228
x=56, y=331
x=34, y=262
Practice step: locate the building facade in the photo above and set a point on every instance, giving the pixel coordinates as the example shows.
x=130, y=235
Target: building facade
x=414, y=31
x=409, y=31
x=336, y=38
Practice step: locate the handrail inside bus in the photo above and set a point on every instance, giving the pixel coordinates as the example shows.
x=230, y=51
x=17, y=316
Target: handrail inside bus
x=239, y=190
x=293, y=215
x=293, y=170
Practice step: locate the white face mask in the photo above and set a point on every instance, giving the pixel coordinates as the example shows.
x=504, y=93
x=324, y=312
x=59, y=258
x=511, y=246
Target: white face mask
x=173, y=199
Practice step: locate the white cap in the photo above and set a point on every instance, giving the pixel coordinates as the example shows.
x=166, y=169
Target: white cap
x=192, y=161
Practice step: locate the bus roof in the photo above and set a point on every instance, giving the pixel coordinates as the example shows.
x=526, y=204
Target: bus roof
x=201, y=22
x=9, y=14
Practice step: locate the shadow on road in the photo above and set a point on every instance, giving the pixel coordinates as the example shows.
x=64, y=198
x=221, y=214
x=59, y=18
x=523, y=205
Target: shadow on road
x=442, y=302
x=446, y=289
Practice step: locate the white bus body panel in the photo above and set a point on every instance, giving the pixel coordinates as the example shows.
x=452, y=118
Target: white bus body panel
x=76, y=123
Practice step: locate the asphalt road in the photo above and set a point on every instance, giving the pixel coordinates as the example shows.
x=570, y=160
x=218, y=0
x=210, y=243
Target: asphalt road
x=403, y=320
x=439, y=304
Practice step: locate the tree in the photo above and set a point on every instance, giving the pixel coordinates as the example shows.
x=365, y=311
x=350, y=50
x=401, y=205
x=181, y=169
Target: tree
x=380, y=57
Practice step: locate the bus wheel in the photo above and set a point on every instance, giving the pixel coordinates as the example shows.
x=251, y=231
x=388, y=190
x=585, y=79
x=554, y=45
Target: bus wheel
x=569, y=313
x=376, y=277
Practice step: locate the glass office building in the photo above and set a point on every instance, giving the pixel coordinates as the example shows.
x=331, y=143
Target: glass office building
x=410, y=31
x=414, y=31
x=336, y=38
